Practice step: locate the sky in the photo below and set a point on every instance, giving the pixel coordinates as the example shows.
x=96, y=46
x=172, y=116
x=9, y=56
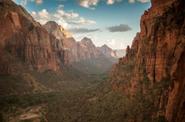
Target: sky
x=111, y=22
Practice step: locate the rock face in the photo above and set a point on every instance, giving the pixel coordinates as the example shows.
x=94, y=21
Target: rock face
x=68, y=42
x=157, y=56
x=83, y=56
x=26, y=41
x=58, y=31
x=107, y=51
x=77, y=51
x=87, y=50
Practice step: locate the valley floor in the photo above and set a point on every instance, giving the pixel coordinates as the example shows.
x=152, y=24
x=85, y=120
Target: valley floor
x=71, y=97
x=87, y=101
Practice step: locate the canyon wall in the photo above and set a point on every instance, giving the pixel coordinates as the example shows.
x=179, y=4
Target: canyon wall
x=76, y=51
x=157, y=56
x=26, y=41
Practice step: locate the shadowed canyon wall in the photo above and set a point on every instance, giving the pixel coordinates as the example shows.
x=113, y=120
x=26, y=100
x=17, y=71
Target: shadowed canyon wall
x=157, y=56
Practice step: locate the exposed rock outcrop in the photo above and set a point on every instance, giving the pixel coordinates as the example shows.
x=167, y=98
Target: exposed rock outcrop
x=157, y=56
x=26, y=41
x=87, y=49
x=107, y=51
x=77, y=51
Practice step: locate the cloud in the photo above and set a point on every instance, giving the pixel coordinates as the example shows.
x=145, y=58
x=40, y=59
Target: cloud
x=88, y=3
x=141, y=1
x=42, y=16
x=62, y=17
x=43, y=13
x=119, y=28
x=25, y=2
x=83, y=30
x=93, y=3
x=82, y=21
x=144, y=1
x=131, y=1
x=111, y=42
x=38, y=1
x=67, y=15
x=110, y=2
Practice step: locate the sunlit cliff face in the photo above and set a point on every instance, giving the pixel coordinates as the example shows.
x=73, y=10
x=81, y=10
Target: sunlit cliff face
x=66, y=33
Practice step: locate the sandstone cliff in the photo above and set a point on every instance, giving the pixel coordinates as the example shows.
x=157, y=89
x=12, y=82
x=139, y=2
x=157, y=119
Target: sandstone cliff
x=87, y=49
x=107, y=51
x=77, y=51
x=26, y=41
x=156, y=60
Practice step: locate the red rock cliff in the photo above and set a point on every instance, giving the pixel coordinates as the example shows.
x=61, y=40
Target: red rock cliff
x=75, y=51
x=158, y=54
x=26, y=41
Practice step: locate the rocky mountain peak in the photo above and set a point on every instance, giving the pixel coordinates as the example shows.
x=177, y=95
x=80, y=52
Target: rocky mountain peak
x=52, y=25
x=107, y=51
x=105, y=46
x=57, y=30
x=86, y=41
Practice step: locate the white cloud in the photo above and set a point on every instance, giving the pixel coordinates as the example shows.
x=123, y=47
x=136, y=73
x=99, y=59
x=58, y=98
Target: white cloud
x=110, y=2
x=67, y=15
x=111, y=42
x=43, y=13
x=141, y=1
x=144, y=1
x=88, y=3
x=42, y=16
x=82, y=21
x=24, y=2
x=66, y=19
x=93, y=3
x=131, y=1
x=38, y=1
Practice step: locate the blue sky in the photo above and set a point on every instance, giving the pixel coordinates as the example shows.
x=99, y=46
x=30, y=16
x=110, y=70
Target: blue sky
x=111, y=22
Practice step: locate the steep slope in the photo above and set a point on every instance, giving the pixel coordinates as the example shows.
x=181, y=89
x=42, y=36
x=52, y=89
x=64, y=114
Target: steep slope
x=73, y=51
x=55, y=29
x=25, y=47
x=87, y=49
x=26, y=41
x=154, y=66
x=107, y=51
x=83, y=55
